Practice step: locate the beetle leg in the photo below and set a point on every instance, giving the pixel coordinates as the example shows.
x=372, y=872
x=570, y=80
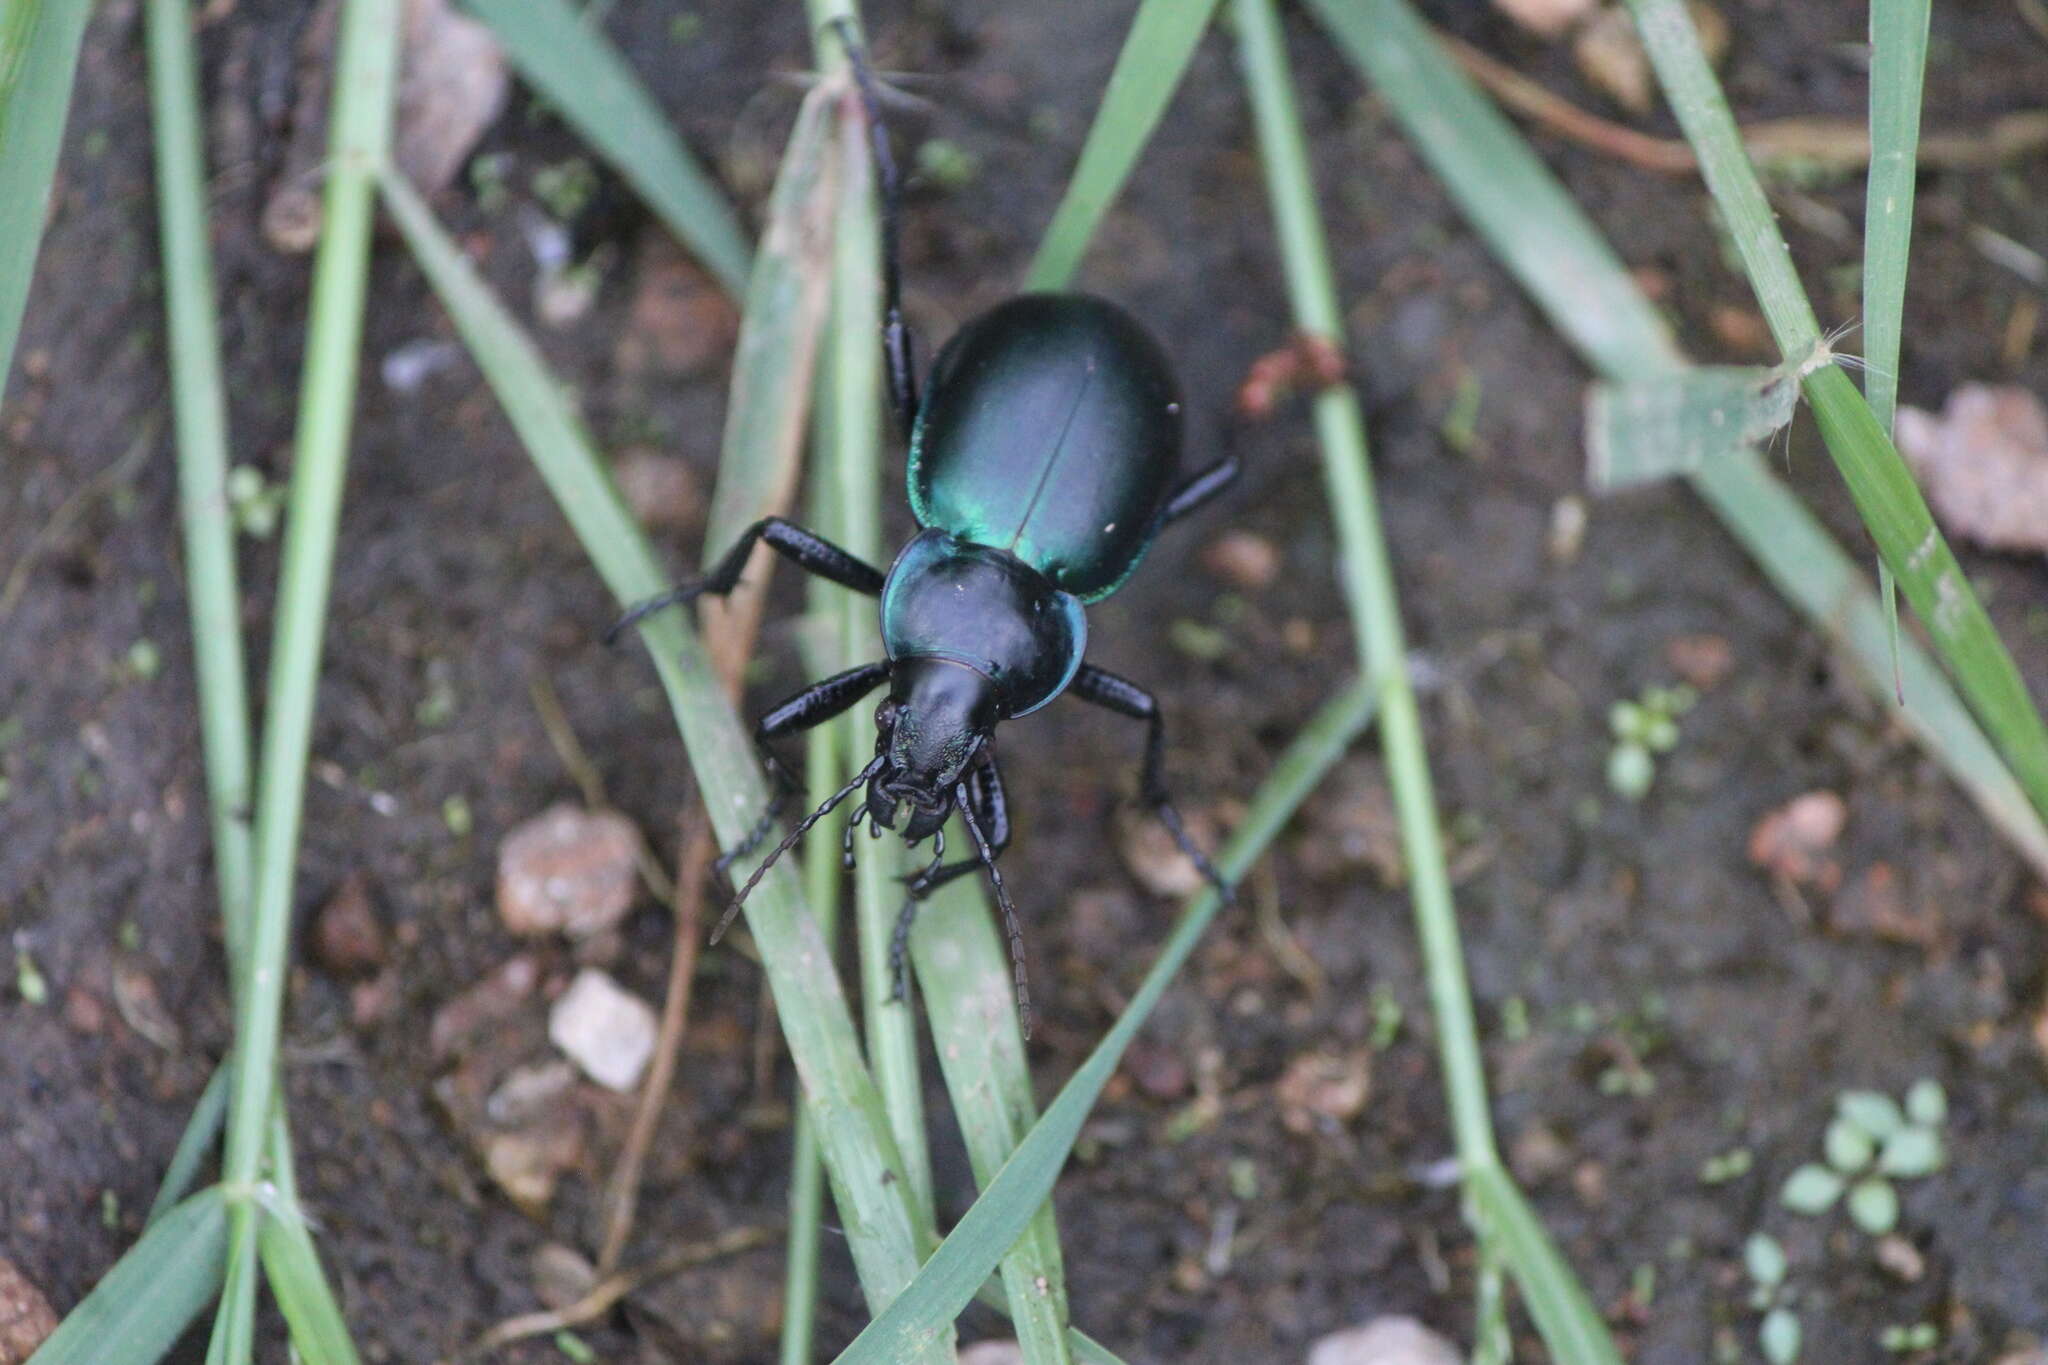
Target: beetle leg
x=807, y=550
x=1201, y=489
x=895, y=335
x=991, y=808
x=814, y=705
x=1107, y=690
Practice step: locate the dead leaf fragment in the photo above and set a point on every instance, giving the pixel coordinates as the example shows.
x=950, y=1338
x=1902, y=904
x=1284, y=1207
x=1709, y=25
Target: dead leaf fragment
x=1877, y=904
x=1704, y=661
x=452, y=88
x=1792, y=841
x=1610, y=53
x=680, y=322
x=1984, y=464
x=348, y=939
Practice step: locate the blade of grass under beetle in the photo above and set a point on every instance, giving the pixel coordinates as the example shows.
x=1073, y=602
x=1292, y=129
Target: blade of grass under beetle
x=846, y=1112
x=1882, y=487
x=566, y=57
x=1155, y=55
x=964, y=972
x=772, y=368
x=992, y=1225
x=39, y=42
x=1546, y=241
x=366, y=66
x=1898, y=62
x=193, y=1144
x=144, y=1303
x=1564, y=1312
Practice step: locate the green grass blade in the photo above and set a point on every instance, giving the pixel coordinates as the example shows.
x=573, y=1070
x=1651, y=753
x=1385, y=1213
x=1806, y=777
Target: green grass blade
x=1562, y=1310
x=365, y=82
x=1898, y=63
x=568, y=59
x=319, y=1333
x=1546, y=241
x=773, y=366
x=1155, y=56
x=924, y=1312
x=233, y=1340
x=199, y=403
x=144, y=1303
x=1646, y=430
x=193, y=1144
x=39, y=42
x=1879, y=482
x=963, y=968
x=845, y=1109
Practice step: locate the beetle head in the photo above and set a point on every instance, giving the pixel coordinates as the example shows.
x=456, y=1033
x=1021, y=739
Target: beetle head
x=937, y=716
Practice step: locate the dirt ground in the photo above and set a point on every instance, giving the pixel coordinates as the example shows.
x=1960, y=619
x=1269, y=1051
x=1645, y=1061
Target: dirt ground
x=1649, y=999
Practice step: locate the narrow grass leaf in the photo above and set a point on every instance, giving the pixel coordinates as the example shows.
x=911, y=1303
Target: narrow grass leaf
x=565, y=56
x=193, y=1144
x=772, y=370
x=924, y=1312
x=840, y=1096
x=1562, y=1310
x=1546, y=241
x=1883, y=489
x=39, y=42
x=1155, y=56
x=964, y=969
x=1650, y=429
x=1898, y=62
x=291, y=1265
x=144, y=1303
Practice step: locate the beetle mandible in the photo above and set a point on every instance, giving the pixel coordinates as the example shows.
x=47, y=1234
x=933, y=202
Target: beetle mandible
x=1044, y=459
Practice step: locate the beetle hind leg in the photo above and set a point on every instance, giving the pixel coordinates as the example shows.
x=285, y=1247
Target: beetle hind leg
x=1201, y=488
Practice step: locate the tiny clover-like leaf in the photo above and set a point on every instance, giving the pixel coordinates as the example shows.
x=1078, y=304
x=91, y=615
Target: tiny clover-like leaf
x=1912, y=1152
x=1875, y=1112
x=1927, y=1103
x=1848, y=1148
x=1765, y=1259
x=1625, y=719
x=1779, y=1336
x=1874, y=1206
x=1812, y=1189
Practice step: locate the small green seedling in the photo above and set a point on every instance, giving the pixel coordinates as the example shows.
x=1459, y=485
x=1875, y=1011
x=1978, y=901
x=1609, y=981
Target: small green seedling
x=1779, y=1332
x=1723, y=1167
x=1642, y=729
x=1903, y=1338
x=1872, y=1142
x=254, y=502
x=946, y=164
x=565, y=188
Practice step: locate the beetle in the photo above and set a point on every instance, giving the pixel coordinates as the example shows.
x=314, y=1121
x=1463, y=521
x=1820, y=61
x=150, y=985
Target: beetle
x=1044, y=459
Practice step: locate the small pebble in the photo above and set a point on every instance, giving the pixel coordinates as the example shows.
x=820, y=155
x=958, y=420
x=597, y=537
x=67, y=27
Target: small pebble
x=495, y=998
x=1900, y=1258
x=1792, y=841
x=1567, y=528
x=26, y=1319
x=1323, y=1087
x=348, y=939
x=605, y=1029
x=1242, y=559
x=1702, y=660
x=996, y=1352
x=1546, y=18
x=568, y=870
x=1385, y=1341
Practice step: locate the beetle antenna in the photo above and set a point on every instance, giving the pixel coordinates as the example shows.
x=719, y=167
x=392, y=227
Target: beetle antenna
x=1003, y=902
x=789, y=841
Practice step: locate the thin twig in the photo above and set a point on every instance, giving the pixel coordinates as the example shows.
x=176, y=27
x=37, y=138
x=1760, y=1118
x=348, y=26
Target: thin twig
x=121, y=470
x=624, y=1195
x=554, y=721
x=1838, y=143
x=604, y=1295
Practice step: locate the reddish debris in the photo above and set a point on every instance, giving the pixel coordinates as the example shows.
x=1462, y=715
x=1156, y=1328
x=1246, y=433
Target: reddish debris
x=1792, y=841
x=1305, y=361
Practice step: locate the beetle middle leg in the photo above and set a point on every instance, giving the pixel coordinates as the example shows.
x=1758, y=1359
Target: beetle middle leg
x=1126, y=698
x=1202, y=487
x=816, y=704
x=806, y=549
x=985, y=797
x=896, y=341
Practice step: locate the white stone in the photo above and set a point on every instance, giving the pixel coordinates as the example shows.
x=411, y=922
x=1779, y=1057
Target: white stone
x=1385, y=1341
x=605, y=1029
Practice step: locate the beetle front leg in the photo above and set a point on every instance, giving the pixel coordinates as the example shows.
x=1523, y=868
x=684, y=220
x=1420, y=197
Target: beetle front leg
x=813, y=706
x=1107, y=690
x=992, y=812
x=1203, y=487
x=806, y=549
